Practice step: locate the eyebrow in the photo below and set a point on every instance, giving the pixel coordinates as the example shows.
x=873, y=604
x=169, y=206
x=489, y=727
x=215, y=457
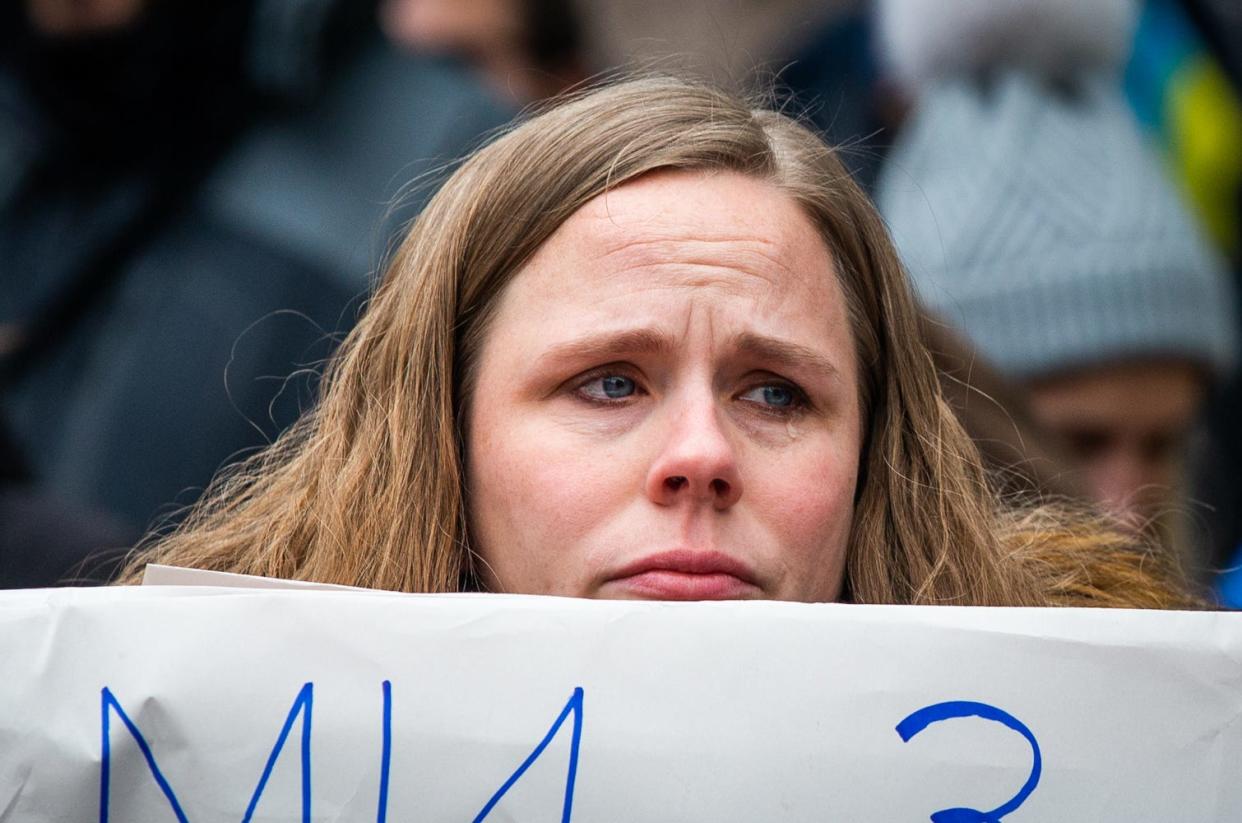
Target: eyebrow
x=649, y=341
x=772, y=349
x=593, y=347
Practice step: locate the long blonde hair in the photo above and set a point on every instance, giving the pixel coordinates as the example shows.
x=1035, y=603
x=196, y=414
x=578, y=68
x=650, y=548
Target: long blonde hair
x=367, y=489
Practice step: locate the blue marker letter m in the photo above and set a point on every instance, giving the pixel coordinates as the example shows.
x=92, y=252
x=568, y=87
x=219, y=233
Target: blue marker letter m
x=109, y=705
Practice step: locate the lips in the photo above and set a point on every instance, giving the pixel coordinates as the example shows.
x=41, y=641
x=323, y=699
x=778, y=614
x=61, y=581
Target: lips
x=686, y=574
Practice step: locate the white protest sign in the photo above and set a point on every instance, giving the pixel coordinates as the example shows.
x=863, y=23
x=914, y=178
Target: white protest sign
x=194, y=704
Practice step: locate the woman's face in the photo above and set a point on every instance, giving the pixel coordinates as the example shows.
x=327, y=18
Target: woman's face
x=666, y=403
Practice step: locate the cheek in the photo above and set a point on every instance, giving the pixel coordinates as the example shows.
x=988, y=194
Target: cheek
x=536, y=492
x=806, y=502
x=813, y=495
x=560, y=492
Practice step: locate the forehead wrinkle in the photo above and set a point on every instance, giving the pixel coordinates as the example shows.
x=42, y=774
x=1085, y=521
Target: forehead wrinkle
x=755, y=257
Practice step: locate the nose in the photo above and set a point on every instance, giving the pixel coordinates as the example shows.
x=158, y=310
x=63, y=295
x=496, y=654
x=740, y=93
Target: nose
x=696, y=462
x=1124, y=486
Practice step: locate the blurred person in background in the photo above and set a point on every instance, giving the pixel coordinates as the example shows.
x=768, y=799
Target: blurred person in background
x=191, y=194
x=730, y=42
x=1034, y=217
x=524, y=50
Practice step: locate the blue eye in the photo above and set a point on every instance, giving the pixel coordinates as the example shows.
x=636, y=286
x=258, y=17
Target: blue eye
x=615, y=386
x=775, y=396
x=778, y=395
x=610, y=387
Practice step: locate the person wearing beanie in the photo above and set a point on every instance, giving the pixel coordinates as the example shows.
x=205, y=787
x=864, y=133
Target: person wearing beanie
x=1034, y=218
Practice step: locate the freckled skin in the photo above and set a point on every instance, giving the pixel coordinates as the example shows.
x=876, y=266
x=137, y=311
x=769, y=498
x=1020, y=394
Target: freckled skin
x=702, y=448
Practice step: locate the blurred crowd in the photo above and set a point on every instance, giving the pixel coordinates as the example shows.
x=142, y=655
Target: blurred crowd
x=195, y=198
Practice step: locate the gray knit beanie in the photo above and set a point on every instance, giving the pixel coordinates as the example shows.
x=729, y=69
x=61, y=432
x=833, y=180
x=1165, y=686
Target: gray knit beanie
x=1033, y=216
